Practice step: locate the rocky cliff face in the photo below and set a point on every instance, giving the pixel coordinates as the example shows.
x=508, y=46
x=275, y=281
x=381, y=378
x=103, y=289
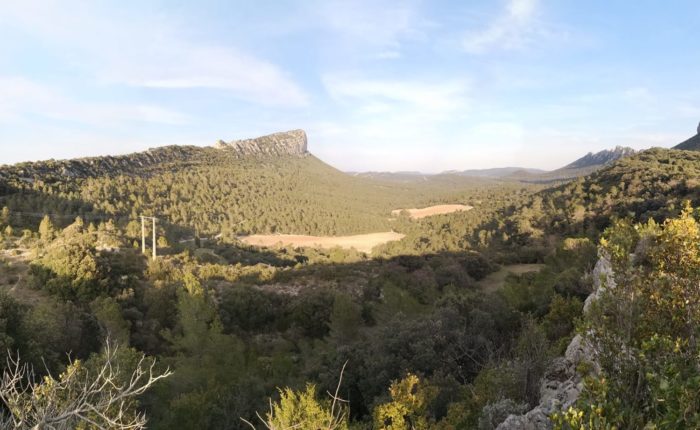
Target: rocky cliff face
x=601, y=158
x=562, y=385
x=130, y=164
x=286, y=143
x=291, y=143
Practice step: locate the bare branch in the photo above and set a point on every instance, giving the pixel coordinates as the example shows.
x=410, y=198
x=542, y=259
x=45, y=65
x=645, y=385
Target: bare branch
x=105, y=400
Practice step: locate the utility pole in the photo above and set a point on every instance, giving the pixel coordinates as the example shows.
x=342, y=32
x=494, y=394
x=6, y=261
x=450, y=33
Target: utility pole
x=154, y=238
x=143, y=234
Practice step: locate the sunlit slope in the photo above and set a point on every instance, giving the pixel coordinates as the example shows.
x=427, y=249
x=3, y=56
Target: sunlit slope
x=212, y=191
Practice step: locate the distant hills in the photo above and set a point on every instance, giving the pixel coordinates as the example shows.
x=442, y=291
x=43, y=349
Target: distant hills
x=583, y=166
x=497, y=172
x=600, y=158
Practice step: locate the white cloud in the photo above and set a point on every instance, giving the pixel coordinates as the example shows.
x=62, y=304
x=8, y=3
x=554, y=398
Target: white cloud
x=20, y=97
x=512, y=29
x=379, y=27
x=375, y=95
x=151, y=51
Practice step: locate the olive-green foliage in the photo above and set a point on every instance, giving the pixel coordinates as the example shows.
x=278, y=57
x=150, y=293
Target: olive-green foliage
x=303, y=410
x=234, y=322
x=644, y=330
x=408, y=407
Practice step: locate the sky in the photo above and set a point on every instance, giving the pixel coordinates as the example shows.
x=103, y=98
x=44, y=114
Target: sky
x=387, y=85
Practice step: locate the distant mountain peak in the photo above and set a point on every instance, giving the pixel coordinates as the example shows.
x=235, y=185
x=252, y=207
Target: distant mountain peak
x=291, y=142
x=692, y=144
x=601, y=158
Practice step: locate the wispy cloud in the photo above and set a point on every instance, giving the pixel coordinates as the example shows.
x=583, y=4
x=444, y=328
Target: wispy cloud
x=512, y=29
x=377, y=27
x=21, y=97
x=121, y=49
x=377, y=94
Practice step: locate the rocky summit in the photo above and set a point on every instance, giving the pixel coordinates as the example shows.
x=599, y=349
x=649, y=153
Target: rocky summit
x=286, y=143
x=290, y=143
x=601, y=158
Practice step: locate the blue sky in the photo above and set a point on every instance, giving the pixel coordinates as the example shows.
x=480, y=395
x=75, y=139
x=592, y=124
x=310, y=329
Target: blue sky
x=377, y=85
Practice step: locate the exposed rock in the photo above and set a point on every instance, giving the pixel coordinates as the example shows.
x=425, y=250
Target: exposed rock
x=562, y=384
x=602, y=279
x=601, y=158
x=291, y=143
x=286, y=143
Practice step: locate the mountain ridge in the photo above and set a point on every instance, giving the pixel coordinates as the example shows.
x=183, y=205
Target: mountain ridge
x=291, y=143
x=600, y=158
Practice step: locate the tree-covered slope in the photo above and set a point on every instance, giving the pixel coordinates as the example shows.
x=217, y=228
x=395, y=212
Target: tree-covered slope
x=651, y=184
x=218, y=190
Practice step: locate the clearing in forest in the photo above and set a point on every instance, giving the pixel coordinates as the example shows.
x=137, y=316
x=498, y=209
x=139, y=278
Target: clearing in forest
x=361, y=242
x=432, y=210
x=495, y=280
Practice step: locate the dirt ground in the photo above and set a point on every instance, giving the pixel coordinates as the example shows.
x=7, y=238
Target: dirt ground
x=495, y=280
x=361, y=242
x=432, y=210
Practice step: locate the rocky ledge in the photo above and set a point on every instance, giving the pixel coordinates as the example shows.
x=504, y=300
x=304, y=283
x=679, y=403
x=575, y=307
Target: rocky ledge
x=286, y=143
x=562, y=384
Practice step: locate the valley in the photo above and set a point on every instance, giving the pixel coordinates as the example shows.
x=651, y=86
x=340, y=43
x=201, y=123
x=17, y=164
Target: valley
x=475, y=299
x=349, y=215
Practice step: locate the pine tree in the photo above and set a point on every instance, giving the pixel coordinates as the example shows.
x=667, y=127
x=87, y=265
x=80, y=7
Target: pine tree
x=47, y=231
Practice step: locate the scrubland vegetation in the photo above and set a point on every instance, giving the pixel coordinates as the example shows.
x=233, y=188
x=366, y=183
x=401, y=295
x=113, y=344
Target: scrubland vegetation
x=263, y=334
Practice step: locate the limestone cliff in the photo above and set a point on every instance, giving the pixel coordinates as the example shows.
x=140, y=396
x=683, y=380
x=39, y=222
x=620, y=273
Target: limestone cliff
x=291, y=143
x=286, y=143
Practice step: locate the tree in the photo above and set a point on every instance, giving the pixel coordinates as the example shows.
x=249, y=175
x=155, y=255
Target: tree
x=301, y=410
x=104, y=399
x=5, y=216
x=46, y=229
x=345, y=320
x=408, y=407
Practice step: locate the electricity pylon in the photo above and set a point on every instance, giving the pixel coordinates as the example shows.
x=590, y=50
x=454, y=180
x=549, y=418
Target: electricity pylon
x=143, y=234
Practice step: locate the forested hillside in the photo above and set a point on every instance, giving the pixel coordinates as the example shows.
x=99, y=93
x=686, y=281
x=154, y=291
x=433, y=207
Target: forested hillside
x=212, y=191
x=423, y=332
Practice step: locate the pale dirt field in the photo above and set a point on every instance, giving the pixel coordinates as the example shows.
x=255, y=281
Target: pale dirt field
x=432, y=210
x=495, y=280
x=361, y=242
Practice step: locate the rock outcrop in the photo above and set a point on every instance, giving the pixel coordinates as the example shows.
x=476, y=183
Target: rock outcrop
x=601, y=158
x=130, y=164
x=291, y=143
x=286, y=143
x=562, y=384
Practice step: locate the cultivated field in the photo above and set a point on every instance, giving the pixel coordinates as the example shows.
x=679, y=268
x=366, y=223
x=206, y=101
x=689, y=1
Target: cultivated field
x=361, y=242
x=432, y=210
x=496, y=280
